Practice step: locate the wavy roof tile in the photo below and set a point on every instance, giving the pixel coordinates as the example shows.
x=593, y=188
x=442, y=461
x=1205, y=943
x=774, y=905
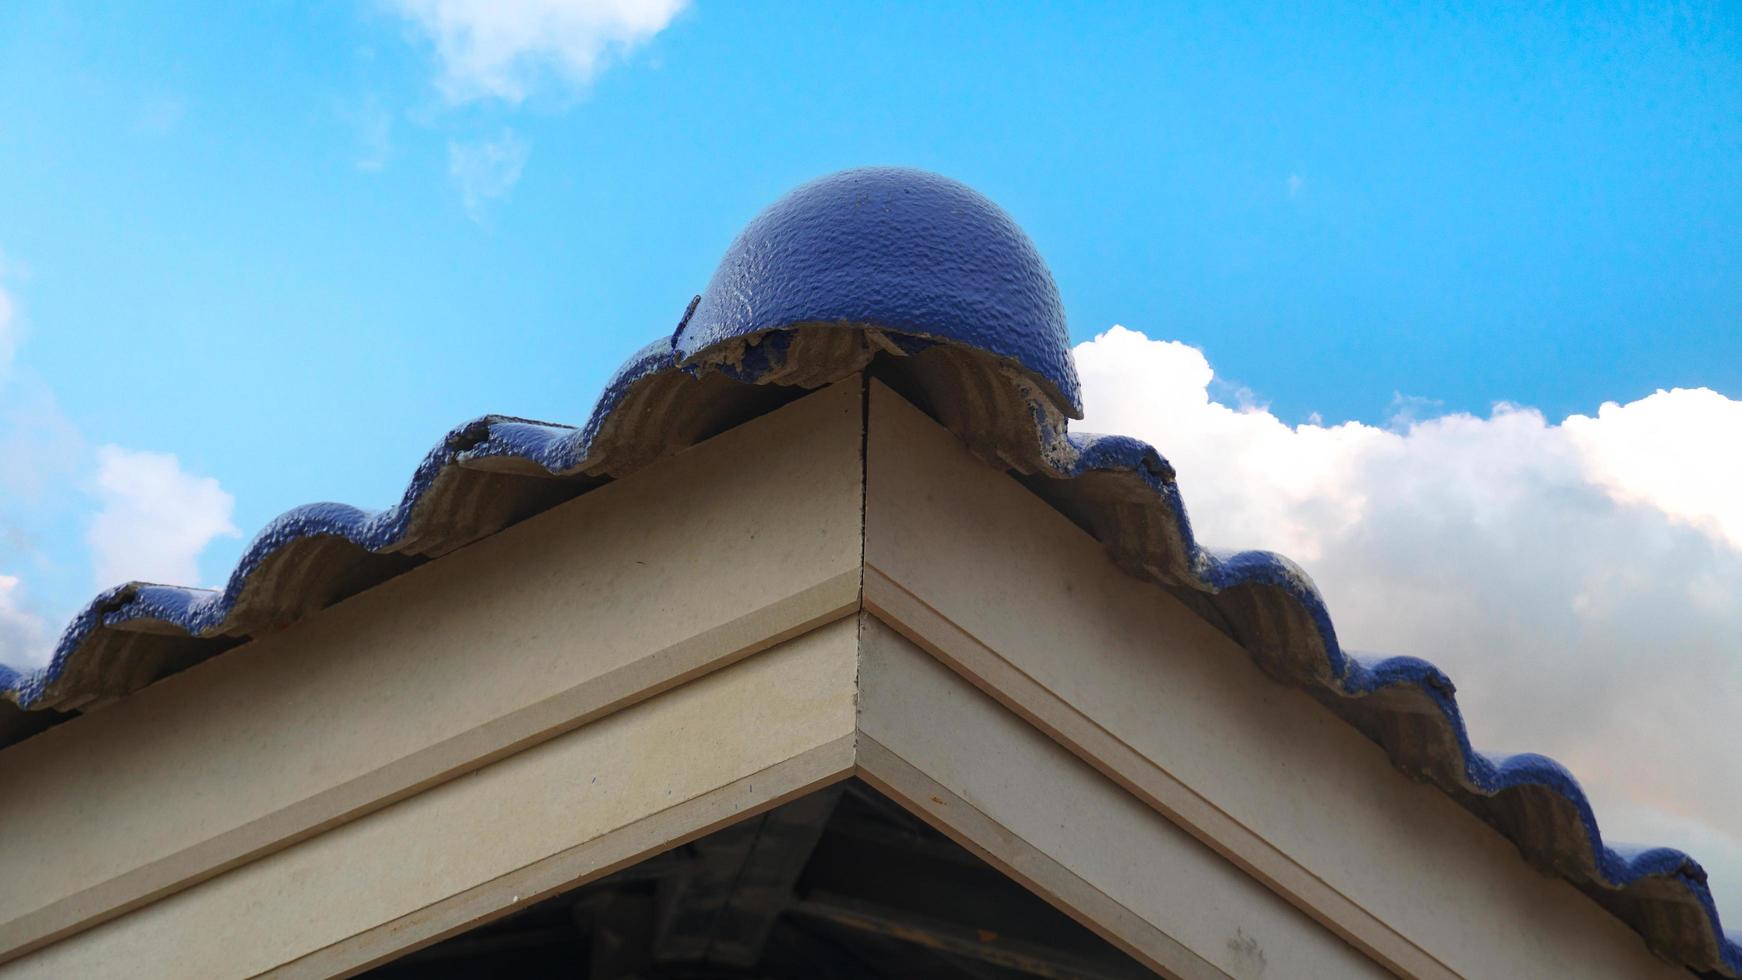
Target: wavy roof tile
x=934, y=288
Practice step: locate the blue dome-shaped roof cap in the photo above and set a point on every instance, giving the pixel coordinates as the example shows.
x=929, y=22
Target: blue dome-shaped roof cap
x=901, y=249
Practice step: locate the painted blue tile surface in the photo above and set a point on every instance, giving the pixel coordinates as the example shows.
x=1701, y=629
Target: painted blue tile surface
x=902, y=249
x=928, y=262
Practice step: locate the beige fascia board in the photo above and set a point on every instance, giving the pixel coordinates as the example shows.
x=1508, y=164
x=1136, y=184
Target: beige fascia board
x=568, y=810
x=1044, y=817
x=253, y=778
x=738, y=800
x=625, y=592
x=992, y=842
x=900, y=610
x=972, y=567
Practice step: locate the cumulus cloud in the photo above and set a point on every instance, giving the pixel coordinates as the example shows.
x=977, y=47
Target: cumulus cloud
x=151, y=521
x=1579, y=580
x=155, y=519
x=1676, y=451
x=486, y=170
x=501, y=49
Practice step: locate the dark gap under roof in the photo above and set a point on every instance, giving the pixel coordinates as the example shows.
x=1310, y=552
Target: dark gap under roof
x=843, y=883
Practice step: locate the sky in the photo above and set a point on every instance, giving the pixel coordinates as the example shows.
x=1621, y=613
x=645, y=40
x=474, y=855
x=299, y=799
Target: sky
x=1445, y=304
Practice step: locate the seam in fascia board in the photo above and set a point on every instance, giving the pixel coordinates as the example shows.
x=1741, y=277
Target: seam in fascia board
x=864, y=533
x=1367, y=932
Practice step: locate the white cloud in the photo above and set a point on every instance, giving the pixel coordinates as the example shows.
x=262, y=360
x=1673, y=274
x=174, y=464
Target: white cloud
x=486, y=170
x=1579, y=581
x=502, y=48
x=43, y=450
x=23, y=634
x=155, y=519
x=1675, y=450
x=151, y=523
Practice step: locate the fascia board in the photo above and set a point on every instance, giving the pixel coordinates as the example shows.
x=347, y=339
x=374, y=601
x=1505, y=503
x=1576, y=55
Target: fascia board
x=554, y=816
x=679, y=569
x=971, y=566
x=1043, y=816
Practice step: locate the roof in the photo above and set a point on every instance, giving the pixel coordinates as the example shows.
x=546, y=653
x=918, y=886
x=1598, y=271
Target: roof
x=931, y=286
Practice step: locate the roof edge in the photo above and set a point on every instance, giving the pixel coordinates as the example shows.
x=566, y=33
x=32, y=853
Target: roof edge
x=659, y=402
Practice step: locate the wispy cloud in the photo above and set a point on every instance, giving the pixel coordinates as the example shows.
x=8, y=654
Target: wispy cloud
x=43, y=456
x=159, y=114
x=1578, y=580
x=502, y=50
x=23, y=634
x=486, y=170
x=8, y=333
x=371, y=125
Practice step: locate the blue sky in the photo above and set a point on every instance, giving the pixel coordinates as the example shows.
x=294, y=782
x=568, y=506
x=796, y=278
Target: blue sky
x=257, y=255
x=1519, y=204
